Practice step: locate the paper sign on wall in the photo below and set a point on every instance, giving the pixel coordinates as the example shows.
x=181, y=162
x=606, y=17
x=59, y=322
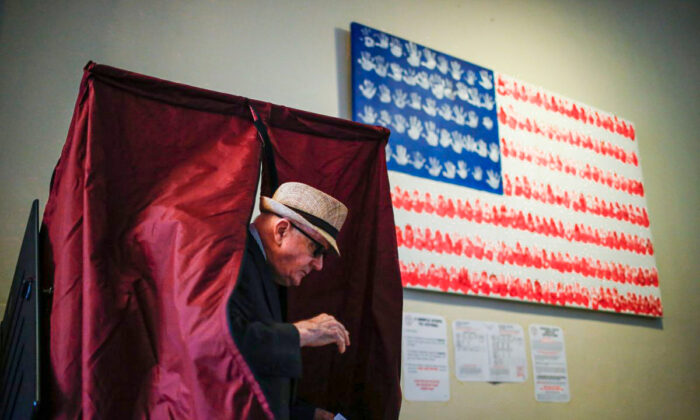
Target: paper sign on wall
x=425, y=367
x=549, y=364
x=489, y=351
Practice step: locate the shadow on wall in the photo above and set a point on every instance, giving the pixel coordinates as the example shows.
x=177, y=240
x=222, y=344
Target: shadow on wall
x=528, y=308
x=342, y=64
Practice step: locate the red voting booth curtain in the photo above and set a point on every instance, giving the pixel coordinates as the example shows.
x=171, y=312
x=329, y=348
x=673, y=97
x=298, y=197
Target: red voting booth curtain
x=144, y=232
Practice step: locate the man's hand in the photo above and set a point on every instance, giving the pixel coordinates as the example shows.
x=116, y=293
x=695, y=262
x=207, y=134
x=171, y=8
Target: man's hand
x=321, y=330
x=321, y=414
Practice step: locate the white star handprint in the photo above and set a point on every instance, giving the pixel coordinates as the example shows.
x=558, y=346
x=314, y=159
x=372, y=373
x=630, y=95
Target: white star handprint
x=410, y=77
x=470, y=77
x=401, y=156
x=435, y=166
x=413, y=54
x=368, y=89
x=395, y=47
x=384, y=94
x=400, y=123
x=477, y=173
x=486, y=81
x=487, y=101
x=396, y=72
x=456, y=70
x=382, y=40
x=487, y=123
x=493, y=152
x=422, y=80
x=415, y=127
x=418, y=160
x=442, y=65
x=473, y=120
x=380, y=66
x=415, y=101
x=400, y=98
x=445, y=139
x=429, y=107
x=457, y=141
x=428, y=59
x=366, y=61
x=387, y=152
x=369, y=116
x=445, y=112
x=384, y=118
x=493, y=179
x=450, y=170
x=459, y=115
x=463, y=170
x=431, y=136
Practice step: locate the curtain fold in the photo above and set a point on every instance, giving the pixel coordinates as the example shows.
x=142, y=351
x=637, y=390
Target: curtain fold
x=144, y=232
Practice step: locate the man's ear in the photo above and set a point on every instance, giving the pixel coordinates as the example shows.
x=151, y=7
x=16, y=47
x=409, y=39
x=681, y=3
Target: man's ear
x=281, y=230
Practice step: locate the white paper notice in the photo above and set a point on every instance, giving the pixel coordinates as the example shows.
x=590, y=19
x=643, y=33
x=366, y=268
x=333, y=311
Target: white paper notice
x=426, y=373
x=489, y=351
x=549, y=364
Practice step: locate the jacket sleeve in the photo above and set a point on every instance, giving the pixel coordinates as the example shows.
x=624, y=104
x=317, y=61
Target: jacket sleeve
x=271, y=348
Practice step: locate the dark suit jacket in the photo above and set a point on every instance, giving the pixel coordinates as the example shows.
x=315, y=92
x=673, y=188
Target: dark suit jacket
x=268, y=344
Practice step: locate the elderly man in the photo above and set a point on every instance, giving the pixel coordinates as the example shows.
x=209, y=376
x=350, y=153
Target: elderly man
x=290, y=238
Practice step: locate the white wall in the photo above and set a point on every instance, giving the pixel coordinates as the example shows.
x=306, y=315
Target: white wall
x=636, y=59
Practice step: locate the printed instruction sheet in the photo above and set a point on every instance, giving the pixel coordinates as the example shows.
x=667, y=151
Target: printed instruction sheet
x=426, y=370
x=549, y=363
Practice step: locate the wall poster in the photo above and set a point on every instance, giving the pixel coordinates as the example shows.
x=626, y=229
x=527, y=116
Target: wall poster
x=503, y=189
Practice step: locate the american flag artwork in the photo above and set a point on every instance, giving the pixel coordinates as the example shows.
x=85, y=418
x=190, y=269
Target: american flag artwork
x=503, y=189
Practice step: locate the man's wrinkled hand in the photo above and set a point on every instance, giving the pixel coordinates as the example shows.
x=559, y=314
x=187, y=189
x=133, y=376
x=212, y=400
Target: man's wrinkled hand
x=321, y=330
x=321, y=414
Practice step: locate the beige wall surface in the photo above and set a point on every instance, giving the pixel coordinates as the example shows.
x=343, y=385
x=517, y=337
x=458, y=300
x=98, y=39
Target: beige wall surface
x=637, y=59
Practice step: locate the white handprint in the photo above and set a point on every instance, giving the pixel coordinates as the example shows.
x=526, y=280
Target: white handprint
x=384, y=94
x=486, y=81
x=413, y=54
x=445, y=112
x=396, y=72
x=481, y=148
x=493, y=179
x=477, y=173
x=457, y=141
x=367, y=37
x=418, y=160
x=384, y=118
x=415, y=101
x=437, y=86
x=470, y=77
x=380, y=66
x=487, y=102
x=368, y=89
x=415, y=128
x=473, y=120
x=387, y=152
x=459, y=115
x=450, y=92
x=431, y=136
x=445, y=139
x=382, y=40
x=401, y=156
x=400, y=123
x=369, y=116
x=462, y=91
x=400, y=98
x=463, y=170
x=494, y=152
x=473, y=96
x=422, y=80
x=469, y=143
x=429, y=107
x=442, y=65
x=429, y=59
x=487, y=123
x=395, y=47
x=435, y=167
x=366, y=61
x=410, y=77
x=450, y=170
x=456, y=70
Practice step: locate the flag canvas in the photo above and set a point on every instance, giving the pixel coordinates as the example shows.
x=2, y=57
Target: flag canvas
x=504, y=189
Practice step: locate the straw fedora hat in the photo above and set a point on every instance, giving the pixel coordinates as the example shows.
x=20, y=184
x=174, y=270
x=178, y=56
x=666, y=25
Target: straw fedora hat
x=315, y=212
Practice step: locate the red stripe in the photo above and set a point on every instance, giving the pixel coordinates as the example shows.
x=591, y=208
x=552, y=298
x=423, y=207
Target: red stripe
x=562, y=106
x=571, y=137
x=545, y=193
x=475, y=247
x=510, y=218
x=557, y=163
x=489, y=284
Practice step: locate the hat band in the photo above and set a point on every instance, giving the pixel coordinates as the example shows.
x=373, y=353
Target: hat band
x=318, y=222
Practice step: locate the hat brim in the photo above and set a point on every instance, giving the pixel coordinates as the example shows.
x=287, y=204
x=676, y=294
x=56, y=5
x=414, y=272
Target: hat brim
x=272, y=206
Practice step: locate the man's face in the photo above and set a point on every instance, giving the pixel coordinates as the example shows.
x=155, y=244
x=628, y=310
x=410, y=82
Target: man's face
x=298, y=256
